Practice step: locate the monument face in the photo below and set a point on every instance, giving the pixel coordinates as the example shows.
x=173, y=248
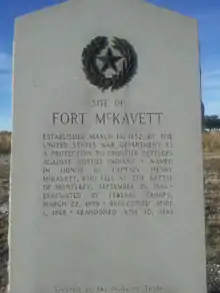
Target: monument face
x=106, y=182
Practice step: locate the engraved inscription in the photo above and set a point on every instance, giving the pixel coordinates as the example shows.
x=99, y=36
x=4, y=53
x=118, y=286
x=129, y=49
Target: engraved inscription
x=107, y=174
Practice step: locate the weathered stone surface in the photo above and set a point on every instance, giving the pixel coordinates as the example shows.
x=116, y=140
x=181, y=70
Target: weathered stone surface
x=103, y=189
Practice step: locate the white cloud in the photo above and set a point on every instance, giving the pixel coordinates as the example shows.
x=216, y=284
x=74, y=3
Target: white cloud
x=212, y=73
x=5, y=90
x=5, y=122
x=5, y=62
x=5, y=74
x=212, y=107
x=211, y=81
x=211, y=84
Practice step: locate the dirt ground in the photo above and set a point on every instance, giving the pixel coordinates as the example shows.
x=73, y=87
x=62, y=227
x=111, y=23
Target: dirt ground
x=212, y=208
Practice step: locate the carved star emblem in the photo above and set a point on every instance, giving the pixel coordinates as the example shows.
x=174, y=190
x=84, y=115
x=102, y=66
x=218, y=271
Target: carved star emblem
x=109, y=61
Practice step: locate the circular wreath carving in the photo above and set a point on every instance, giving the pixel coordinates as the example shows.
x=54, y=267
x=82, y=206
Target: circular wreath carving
x=94, y=74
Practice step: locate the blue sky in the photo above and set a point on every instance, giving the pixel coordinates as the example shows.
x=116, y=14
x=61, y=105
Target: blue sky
x=207, y=12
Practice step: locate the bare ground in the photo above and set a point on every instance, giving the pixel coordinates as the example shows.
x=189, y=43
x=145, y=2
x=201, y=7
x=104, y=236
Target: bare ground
x=4, y=192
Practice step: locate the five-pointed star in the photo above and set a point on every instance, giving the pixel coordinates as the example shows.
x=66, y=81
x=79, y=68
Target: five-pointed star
x=109, y=61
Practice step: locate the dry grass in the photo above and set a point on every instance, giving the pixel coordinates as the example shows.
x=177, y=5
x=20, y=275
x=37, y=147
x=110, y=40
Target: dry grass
x=4, y=193
x=5, y=143
x=211, y=142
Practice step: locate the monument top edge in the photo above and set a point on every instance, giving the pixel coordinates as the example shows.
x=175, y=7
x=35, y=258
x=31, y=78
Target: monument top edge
x=69, y=3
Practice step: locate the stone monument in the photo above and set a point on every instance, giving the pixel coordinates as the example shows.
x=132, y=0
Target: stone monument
x=107, y=176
